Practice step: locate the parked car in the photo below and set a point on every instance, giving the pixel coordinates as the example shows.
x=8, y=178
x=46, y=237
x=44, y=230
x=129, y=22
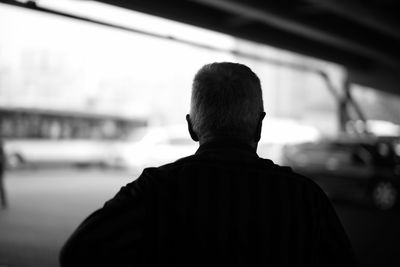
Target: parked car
x=154, y=146
x=278, y=132
x=46, y=152
x=351, y=166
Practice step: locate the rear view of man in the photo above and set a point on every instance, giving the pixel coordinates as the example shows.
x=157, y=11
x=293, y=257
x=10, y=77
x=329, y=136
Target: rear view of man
x=222, y=206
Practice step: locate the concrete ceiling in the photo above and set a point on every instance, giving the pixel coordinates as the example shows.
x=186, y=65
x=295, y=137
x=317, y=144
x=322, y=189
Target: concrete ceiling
x=362, y=35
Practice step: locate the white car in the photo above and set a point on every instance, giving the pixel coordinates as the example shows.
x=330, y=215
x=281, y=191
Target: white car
x=276, y=133
x=47, y=152
x=155, y=146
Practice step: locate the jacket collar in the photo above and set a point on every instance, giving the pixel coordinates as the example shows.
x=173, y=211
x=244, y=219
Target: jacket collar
x=228, y=146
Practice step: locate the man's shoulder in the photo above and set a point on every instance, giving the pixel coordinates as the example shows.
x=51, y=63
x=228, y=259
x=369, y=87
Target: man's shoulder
x=286, y=172
x=152, y=172
x=266, y=173
x=259, y=164
x=163, y=170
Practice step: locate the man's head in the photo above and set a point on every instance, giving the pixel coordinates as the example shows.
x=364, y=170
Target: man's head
x=226, y=102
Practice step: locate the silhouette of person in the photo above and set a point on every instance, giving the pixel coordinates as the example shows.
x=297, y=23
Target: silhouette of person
x=222, y=206
x=3, y=199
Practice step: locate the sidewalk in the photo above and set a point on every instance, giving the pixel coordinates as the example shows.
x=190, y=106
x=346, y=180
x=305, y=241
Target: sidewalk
x=45, y=206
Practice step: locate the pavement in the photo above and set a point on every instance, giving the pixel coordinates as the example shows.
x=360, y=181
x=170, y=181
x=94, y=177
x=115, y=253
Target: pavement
x=45, y=206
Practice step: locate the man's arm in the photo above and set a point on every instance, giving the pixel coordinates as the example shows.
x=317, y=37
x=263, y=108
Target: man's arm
x=111, y=235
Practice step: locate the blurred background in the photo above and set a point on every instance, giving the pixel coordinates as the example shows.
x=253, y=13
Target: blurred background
x=92, y=92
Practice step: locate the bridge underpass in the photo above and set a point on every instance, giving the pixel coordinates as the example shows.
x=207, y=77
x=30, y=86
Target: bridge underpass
x=358, y=35
x=363, y=41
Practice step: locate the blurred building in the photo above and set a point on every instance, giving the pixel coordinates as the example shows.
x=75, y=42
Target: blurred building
x=56, y=63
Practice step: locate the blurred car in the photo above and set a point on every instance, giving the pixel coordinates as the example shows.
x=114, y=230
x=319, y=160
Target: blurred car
x=154, y=146
x=47, y=152
x=352, y=167
x=279, y=132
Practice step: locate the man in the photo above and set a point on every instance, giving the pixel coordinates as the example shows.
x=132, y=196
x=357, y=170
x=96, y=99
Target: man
x=222, y=206
x=3, y=199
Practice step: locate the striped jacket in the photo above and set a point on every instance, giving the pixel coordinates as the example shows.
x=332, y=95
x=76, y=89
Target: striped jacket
x=223, y=206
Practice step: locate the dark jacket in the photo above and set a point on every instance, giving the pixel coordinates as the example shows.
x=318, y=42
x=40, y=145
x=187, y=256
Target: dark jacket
x=223, y=206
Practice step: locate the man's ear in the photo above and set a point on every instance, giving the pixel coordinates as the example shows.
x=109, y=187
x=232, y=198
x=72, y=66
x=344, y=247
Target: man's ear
x=193, y=135
x=259, y=127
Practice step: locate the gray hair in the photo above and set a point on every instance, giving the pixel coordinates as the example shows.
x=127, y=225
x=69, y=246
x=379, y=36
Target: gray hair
x=226, y=101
